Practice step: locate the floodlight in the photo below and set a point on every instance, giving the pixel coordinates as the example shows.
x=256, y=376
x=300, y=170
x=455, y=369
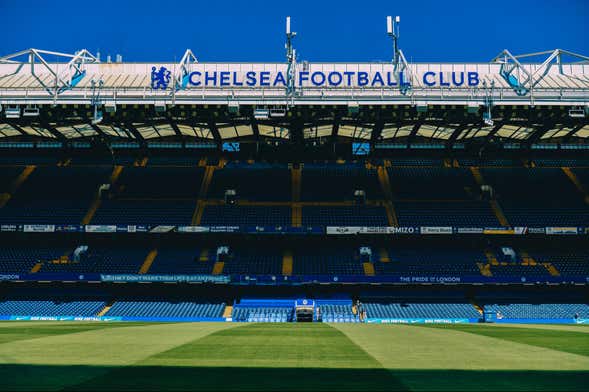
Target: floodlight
x=12, y=111
x=278, y=111
x=233, y=108
x=353, y=108
x=110, y=107
x=421, y=108
x=261, y=113
x=30, y=111
x=577, y=112
x=472, y=108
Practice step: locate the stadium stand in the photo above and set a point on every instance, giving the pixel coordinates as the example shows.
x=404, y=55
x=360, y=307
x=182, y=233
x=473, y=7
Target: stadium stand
x=122, y=260
x=539, y=311
x=262, y=314
x=419, y=208
x=165, y=309
x=338, y=313
x=421, y=310
x=259, y=182
x=537, y=197
x=49, y=308
x=566, y=262
x=432, y=261
x=54, y=195
x=182, y=260
x=337, y=182
x=22, y=259
x=152, y=195
x=324, y=261
x=263, y=310
x=344, y=216
x=238, y=215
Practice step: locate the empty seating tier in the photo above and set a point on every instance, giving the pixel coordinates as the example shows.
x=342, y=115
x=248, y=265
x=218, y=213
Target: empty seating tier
x=50, y=308
x=539, y=311
x=55, y=195
x=165, y=309
x=338, y=182
x=421, y=310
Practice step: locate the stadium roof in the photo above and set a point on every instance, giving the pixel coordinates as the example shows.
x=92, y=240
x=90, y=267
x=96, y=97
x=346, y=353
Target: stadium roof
x=76, y=97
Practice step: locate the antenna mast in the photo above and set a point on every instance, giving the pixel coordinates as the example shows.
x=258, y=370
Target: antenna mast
x=290, y=60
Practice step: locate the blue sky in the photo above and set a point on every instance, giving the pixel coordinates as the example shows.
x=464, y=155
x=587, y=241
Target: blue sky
x=431, y=31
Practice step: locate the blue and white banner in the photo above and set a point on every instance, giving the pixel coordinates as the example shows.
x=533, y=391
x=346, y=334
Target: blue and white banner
x=9, y=277
x=430, y=279
x=420, y=320
x=345, y=230
x=193, y=229
x=436, y=230
x=63, y=318
x=165, y=278
x=113, y=319
x=562, y=230
x=38, y=228
x=540, y=321
x=101, y=228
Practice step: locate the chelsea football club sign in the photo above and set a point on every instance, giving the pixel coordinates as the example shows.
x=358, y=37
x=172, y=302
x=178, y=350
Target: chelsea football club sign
x=211, y=78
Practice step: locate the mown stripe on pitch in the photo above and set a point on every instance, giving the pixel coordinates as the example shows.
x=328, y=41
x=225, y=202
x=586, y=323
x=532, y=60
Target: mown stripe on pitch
x=418, y=347
x=28, y=330
x=559, y=340
x=257, y=357
x=86, y=355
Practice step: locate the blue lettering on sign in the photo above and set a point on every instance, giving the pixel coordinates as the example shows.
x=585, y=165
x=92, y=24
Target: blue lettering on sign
x=224, y=78
x=264, y=78
x=456, y=83
x=403, y=81
x=210, y=77
x=193, y=80
x=235, y=81
x=442, y=83
x=303, y=76
x=473, y=78
x=428, y=82
x=251, y=78
x=334, y=78
x=362, y=79
x=393, y=81
x=318, y=78
x=377, y=79
x=349, y=79
x=280, y=79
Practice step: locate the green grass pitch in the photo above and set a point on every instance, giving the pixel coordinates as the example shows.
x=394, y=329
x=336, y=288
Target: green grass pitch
x=234, y=356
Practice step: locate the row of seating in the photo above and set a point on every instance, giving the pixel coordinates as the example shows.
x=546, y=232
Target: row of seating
x=421, y=310
x=262, y=314
x=539, y=311
x=426, y=196
x=120, y=308
x=181, y=309
x=312, y=260
x=329, y=313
